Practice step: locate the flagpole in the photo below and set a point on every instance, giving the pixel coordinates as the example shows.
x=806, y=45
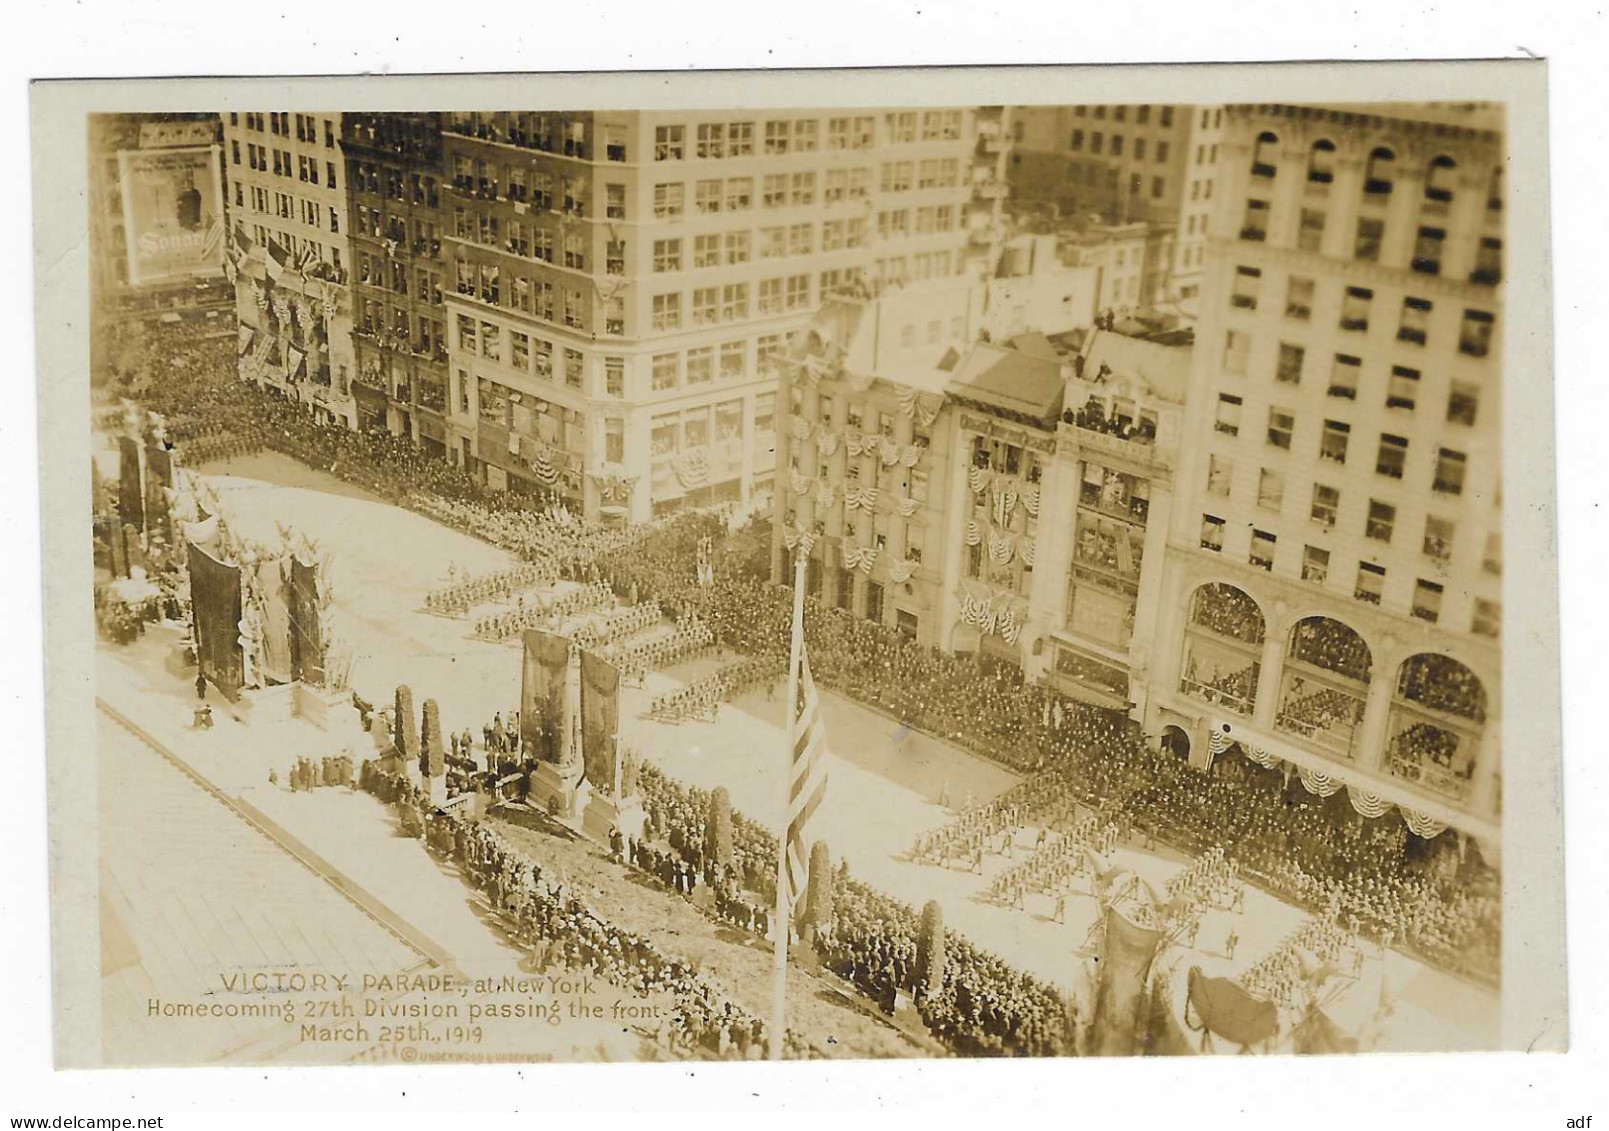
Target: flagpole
x=781, y=925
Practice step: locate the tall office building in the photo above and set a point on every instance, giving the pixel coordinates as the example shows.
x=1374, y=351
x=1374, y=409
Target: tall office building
x=620, y=284
x=1127, y=163
x=286, y=194
x=1332, y=592
x=395, y=202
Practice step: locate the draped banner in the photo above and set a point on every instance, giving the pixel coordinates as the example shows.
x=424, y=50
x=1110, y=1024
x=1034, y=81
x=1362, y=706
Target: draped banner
x=1222, y=1007
x=307, y=633
x=542, y=675
x=600, y=719
x=215, y=604
x=1125, y=963
x=276, y=620
x=130, y=488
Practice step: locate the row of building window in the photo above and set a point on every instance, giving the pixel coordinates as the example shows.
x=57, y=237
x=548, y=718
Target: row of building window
x=1413, y=321
x=423, y=335
x=1380, y=172
x=1142, y=114
x=1391, y=456
x=1102, y=145
x=280, y=125
x=304, y=168
x=420, y=238
x=1369, y=586
x=1093, y=173
x=1325, y=505
x=392, y=183
x=1401, y=391
x=1368, y=240
x=287, y=206
x=778, y=137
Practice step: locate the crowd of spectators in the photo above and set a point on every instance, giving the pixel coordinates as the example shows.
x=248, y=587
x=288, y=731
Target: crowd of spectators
x=562, y=932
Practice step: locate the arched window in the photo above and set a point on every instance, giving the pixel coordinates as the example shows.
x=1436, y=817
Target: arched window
x=1264, y=155
x=1378, y=176
x=1223, y=648
x=1439, y=179
x=1321, y=162
x=1438, y=714
x=1227, y=611
x=1442, y=684
x=1325, y=685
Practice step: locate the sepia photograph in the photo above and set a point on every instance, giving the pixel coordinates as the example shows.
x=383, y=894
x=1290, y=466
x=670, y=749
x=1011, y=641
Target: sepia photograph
x=737, y=578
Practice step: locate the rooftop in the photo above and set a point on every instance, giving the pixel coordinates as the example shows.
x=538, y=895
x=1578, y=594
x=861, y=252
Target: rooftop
x=1163, y=370
x=1011, y=380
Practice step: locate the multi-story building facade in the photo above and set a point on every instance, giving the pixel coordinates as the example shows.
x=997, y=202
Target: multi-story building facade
x=395, y=202
x=982, y=497
x=1127, y=163
x=286, y=192
x=117, y=302
x=1119, y=437
x=865, y=452
x=1332, y=588
x=621, y=283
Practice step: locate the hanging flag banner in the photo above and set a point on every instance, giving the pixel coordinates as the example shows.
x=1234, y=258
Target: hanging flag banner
x=272, y=586
x=216, y=609
x=302, y=595
x=545, y=667
x=600, y=719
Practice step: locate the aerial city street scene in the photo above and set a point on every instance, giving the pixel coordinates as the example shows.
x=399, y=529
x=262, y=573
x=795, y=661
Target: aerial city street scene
x=913, y=581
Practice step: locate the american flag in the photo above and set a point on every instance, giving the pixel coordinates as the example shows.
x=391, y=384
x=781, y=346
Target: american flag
x=808, y=784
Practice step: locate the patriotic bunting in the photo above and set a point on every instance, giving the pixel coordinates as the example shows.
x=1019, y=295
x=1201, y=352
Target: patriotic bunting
x=1423, y=826
x=1318, y=783
x=1367, y=804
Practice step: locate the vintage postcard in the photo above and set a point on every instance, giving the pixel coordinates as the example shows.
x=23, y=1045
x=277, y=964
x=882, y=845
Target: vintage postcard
x=998, y=563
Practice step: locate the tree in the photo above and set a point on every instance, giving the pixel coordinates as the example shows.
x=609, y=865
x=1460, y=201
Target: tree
x=819, y=894
x=718, y=830
x=407, y=731
x=431, y=759
x=930, y=950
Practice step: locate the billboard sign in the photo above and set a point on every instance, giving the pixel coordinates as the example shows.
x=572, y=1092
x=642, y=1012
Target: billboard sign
x=173, y=217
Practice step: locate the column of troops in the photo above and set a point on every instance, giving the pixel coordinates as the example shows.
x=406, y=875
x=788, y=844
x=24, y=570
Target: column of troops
x=702, y=698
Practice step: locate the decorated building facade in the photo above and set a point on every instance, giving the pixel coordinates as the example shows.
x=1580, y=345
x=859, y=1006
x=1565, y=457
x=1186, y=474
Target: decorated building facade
x=287, y=256
x=866, y=453
x=1331, y=599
